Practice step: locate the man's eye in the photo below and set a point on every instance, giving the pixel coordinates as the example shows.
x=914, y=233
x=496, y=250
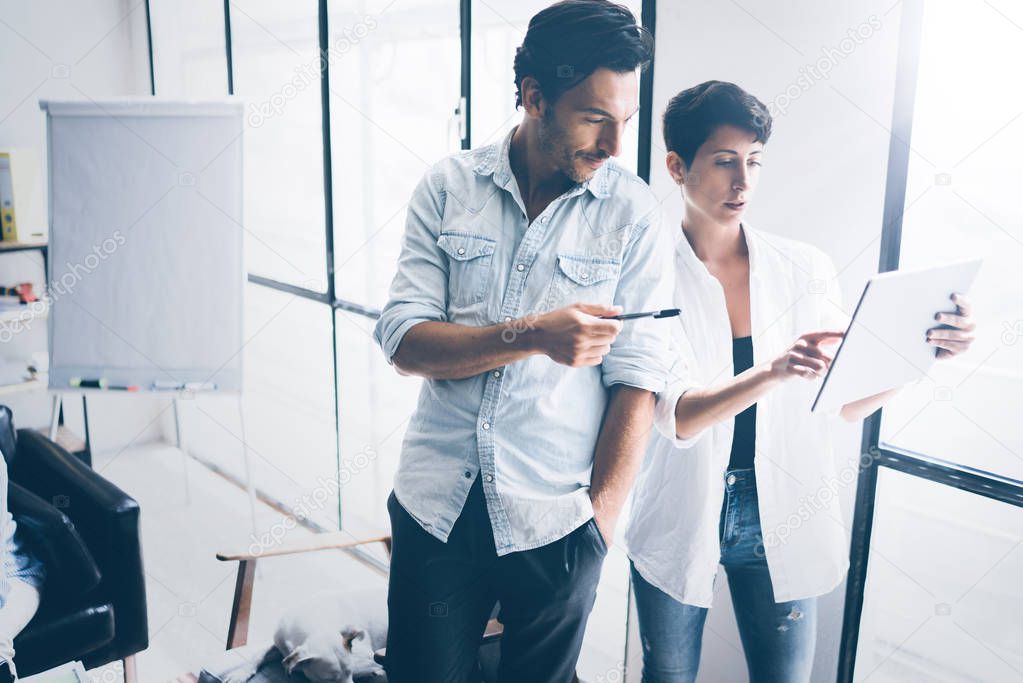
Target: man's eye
x=595, y=120
x=725, y=162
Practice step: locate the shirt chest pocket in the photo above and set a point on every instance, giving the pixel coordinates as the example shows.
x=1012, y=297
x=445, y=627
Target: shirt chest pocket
x=583, y=279
x=470, y=261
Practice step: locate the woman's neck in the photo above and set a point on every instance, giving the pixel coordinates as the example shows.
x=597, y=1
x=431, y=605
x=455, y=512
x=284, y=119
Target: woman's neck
x=714, y=242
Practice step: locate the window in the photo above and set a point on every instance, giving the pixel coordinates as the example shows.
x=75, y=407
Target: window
x=275, y=58
x=395, y=85
x=377, y=404
x=937, y=534
x=960, y=203
x=927, y=616
x=189, y=60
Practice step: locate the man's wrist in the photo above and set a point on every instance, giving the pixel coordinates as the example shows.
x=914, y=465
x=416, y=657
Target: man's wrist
x=524, y=334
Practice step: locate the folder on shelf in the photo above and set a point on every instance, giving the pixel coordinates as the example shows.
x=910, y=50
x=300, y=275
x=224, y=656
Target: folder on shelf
x=8, y=224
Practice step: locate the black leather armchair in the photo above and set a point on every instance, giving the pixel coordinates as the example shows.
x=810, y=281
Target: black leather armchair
x=86, y=531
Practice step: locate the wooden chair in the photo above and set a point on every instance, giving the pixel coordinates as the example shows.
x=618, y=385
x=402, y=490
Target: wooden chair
x=241, y=607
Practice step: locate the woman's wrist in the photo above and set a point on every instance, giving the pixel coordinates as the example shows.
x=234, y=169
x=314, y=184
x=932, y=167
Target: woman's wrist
x=775, y=372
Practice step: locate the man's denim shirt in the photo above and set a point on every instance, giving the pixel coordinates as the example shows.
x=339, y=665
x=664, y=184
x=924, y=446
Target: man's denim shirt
x=471, y=257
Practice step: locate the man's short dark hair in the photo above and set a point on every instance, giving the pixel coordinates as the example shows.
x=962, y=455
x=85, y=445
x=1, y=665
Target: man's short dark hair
x=693, y=114
x=571, y=39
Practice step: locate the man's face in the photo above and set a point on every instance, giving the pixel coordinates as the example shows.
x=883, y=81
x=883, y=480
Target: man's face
x=586, y=124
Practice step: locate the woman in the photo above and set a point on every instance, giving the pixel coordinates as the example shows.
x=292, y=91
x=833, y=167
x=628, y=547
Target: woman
x=753, y=487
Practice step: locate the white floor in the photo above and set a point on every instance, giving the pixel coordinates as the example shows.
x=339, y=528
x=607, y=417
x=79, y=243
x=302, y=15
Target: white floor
x=189, y=591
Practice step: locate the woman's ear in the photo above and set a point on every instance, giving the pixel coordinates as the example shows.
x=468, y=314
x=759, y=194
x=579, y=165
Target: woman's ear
x=676, y=168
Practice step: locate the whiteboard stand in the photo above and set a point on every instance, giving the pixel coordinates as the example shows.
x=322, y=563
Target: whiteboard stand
x=55, y=418
x=250, y=487
x=184, y=453
x=156, y=224
x=84, y=454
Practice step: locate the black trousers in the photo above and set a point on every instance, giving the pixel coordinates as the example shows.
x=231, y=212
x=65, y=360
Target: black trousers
x=440, y=596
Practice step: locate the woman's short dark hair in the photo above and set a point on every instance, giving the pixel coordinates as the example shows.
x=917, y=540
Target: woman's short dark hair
x=571, y=39
x=693, y=114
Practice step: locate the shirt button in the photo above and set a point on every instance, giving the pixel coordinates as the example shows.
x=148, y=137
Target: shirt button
x=584, y=276
x=488, y=478
x=543, y=219
x=497, y=373
x=461, y=250
x=508, y=318
x=730, y=479
x=486, y=425
x=468, y=474
x=521, y=267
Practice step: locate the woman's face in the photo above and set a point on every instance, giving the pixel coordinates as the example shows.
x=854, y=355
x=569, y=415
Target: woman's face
x=723, y=177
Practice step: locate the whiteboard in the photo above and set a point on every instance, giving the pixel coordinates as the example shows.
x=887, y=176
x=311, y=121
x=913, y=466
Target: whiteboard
x=885, y=345
x=146, y=242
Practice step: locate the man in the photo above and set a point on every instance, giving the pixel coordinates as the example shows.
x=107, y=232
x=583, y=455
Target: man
x=535, y=411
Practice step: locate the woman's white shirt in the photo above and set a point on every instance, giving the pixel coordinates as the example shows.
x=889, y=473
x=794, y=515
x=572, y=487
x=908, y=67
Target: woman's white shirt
x=673, y=531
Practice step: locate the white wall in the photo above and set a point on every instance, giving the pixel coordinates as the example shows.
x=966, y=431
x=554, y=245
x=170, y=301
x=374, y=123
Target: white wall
x=823, y=178
x=65, y=50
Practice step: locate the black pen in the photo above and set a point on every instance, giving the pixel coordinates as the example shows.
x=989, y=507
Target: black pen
x=663, y=313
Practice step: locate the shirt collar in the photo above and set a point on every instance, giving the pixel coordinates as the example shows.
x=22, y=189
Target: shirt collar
x=495, y=161
x=686, y=253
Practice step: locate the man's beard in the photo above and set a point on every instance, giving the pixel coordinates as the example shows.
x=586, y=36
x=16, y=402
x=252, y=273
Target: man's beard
x=554, y=143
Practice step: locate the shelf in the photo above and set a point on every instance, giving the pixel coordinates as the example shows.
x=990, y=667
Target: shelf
x=35, y=384
x=21, y=246
x=24, y=314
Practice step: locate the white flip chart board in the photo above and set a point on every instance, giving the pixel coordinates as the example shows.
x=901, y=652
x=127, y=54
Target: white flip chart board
x=885, y=345
x=146, y=242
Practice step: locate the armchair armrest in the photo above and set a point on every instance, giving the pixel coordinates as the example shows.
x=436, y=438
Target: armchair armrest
x=241, y=605
x=52, y=538
x=106, y=518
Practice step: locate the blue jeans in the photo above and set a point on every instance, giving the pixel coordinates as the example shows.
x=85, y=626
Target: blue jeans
x=778, y=638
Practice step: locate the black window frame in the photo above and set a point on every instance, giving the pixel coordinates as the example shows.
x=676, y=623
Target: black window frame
x=877, y=454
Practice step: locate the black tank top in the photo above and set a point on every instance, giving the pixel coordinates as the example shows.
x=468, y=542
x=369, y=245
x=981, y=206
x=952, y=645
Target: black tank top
x=744, y=435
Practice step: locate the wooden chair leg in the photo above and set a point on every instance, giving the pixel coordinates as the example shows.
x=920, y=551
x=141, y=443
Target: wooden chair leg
x=238, y=629
x=131, y=674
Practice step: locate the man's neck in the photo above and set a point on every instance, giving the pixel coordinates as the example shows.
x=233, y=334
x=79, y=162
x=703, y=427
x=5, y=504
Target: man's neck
x=538, y=178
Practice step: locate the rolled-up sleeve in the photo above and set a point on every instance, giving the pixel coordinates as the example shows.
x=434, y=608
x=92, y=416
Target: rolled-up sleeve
x=679, y=381
x=640, y=356
x=419, y=290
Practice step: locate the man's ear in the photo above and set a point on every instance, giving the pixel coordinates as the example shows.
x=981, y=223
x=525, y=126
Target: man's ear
x=349, y=634
x=532, y=99
x=294, y=658
x=676, y=167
